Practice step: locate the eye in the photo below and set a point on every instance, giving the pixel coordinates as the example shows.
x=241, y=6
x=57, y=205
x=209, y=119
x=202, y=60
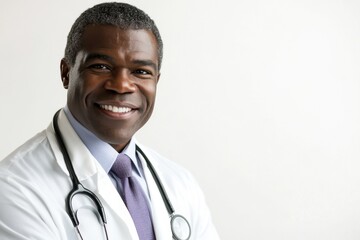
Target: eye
x=142, y=72
x=100, y=67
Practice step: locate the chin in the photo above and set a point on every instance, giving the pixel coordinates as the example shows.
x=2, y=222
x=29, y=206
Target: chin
x=118, y=141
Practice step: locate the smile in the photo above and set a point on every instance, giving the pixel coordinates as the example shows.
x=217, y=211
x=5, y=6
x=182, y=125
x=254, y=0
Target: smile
x=116, y=109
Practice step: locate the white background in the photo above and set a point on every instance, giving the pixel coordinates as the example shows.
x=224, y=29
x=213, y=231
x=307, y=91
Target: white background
x=259, y=99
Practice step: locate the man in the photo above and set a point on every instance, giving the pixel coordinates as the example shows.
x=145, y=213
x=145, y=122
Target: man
x=110, y=70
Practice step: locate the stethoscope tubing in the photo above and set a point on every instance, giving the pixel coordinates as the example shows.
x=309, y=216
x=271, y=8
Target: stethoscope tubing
x=78, y=188
x=156, y=178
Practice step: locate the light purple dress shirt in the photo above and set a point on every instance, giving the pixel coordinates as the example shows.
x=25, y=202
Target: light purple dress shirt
x=106, y=155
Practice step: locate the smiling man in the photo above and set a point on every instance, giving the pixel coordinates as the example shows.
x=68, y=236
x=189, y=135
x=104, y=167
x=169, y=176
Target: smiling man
x=85, y=176
x=112, y=84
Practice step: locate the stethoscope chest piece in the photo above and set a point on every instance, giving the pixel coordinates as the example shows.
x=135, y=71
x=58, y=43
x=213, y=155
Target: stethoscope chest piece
x=180, y=227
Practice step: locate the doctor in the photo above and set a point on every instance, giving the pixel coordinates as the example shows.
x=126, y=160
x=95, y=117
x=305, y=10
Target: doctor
x=110, y=70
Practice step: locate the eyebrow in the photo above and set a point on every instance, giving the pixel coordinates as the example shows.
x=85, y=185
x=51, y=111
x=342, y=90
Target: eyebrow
x=92, y=56
x=149, y=63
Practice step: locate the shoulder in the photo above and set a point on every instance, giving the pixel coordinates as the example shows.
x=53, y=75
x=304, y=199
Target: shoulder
x=32, y=148
x=28, y=201
x=28, y=177
x=20, y=168
x=28, y=167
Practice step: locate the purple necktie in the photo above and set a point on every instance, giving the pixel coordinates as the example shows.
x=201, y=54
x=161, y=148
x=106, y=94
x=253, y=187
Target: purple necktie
x=134, y=197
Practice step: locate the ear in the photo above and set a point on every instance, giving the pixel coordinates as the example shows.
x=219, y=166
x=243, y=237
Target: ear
x=64, y=70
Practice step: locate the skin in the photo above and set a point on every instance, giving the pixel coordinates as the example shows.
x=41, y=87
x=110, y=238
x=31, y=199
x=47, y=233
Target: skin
x=117, y=68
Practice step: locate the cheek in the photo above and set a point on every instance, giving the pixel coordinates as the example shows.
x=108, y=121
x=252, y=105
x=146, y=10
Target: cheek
x=151, y=101
x=148, y=94
x=149, y=90
x=82, y=86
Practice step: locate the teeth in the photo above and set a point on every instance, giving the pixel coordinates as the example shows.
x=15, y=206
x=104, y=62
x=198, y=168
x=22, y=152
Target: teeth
x=115, y=109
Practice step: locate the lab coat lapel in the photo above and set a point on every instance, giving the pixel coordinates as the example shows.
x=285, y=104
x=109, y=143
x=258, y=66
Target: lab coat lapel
x=112, y=198
x=160, y=215
x=80, y=156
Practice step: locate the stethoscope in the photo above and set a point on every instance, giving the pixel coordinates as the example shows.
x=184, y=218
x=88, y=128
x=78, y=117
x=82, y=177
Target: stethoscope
x=180, y=227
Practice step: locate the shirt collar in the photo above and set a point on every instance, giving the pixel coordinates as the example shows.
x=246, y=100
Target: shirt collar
x=103, y=152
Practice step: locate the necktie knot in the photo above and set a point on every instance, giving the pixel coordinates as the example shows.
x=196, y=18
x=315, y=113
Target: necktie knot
x=122, y=166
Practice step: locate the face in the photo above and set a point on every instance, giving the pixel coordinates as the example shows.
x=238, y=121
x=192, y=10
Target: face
x=112, y=85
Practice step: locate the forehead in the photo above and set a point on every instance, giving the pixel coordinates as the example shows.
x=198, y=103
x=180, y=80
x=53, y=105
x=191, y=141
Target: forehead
x=112, y=38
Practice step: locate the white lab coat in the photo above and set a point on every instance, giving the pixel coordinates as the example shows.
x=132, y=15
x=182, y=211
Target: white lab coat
x=34, y=183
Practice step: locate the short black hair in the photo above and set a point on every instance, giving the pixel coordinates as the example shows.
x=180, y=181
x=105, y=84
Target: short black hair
x=121, y=15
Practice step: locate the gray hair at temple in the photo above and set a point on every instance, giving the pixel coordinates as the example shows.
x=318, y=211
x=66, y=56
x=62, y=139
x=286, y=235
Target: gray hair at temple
x=121, y=15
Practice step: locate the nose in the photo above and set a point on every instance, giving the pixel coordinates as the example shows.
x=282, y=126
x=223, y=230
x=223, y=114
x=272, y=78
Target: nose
x=120, y=82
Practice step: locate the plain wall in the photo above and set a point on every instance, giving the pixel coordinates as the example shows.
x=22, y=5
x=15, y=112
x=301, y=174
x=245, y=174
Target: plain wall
x=259, y=99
